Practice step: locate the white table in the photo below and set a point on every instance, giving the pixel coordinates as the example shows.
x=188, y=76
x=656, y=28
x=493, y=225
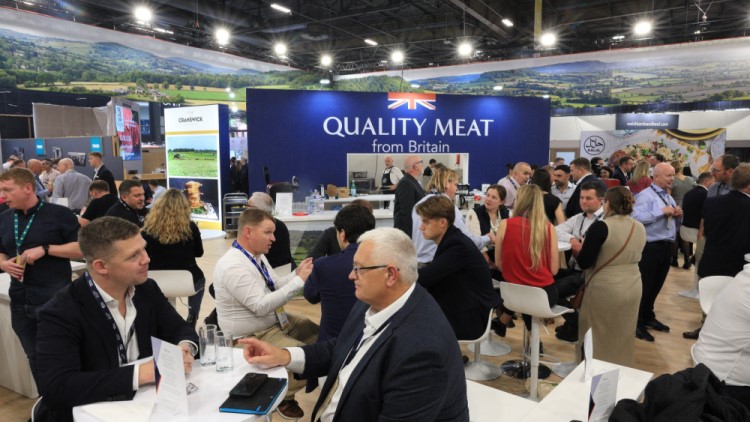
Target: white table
x=77, y=266
x=213, y=389
x=747, y=257
x=378, y=198
x=487, y=404
x=15, y=373
x=563, y=246
x=570, y=399
x=323, y=220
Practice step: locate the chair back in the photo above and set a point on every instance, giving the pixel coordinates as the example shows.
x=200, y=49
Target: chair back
x=173, y=283
x=709, y=288
x=610, y=183
x=689, y=234
x=529, y=300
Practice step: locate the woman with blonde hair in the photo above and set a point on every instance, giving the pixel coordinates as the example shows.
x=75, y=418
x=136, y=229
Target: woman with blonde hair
x=173, y=242
x=526, y=246
x=641, y=179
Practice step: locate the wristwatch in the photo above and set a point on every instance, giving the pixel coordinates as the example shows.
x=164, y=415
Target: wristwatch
x=46, y=249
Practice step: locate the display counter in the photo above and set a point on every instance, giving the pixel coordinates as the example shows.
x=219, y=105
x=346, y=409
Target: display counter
x=377, y=201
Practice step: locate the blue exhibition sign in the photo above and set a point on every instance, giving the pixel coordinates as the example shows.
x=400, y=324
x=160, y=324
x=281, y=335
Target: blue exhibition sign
x=308, y=134
x=40, y=148
x=96, y=144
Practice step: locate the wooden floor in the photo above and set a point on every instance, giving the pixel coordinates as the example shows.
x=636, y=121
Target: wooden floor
x=668, y=354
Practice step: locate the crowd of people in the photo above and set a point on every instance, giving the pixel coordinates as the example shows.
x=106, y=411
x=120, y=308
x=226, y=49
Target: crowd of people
x=393, y=300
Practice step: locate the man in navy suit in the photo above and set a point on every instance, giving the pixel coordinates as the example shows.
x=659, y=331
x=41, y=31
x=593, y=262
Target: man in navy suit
x=96, y=161
x=396, y=357
x=91, y=331
x=580, y=171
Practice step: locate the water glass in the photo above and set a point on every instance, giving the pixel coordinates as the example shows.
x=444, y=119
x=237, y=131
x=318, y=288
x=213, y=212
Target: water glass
x=224, y=351
x=207, y=340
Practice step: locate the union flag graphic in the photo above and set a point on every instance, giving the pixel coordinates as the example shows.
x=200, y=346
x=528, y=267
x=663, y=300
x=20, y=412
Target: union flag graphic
x=412, y=99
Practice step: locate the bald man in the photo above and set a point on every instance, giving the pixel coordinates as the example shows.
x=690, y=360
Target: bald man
x=391, y=176
x=36, y=167
x=71, y=185
x=518, y=177
x=658, y=212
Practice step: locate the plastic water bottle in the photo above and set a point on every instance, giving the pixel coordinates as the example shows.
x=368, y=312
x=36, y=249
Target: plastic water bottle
x=315, y=199
x=321, y=204
x=353, y=190
x=311, y=203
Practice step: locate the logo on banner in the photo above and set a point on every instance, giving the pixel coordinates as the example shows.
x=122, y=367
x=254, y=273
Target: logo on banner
x=593, y=145
x=398, y=99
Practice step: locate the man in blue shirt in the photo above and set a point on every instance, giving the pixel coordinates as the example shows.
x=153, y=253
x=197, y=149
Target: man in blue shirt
x=657, y=211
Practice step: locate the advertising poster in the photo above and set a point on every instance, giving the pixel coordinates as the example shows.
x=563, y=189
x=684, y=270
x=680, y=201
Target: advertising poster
x=192, y=147
x=127, y=129
x=694, y=148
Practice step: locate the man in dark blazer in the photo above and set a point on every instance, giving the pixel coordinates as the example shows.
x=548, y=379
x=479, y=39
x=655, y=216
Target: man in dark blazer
x=458, y=277
x=81, y=358
x=623, y=170
x=580, y=171
x=408, y=193
x=726, y=224
x=396, y=357
x=101, y=172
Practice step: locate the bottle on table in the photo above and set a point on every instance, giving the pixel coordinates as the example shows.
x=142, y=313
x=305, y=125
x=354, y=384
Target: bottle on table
x=353, y=190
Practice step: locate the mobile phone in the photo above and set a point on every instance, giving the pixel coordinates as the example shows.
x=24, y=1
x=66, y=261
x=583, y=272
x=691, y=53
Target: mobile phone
x=248, y=385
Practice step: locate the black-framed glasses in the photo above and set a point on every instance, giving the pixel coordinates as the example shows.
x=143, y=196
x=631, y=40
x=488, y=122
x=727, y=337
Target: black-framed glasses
x=418, y=162
x=358, y=270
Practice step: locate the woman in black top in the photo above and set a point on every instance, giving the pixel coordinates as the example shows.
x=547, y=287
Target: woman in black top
x=552, y=204
x=485, y=218
x=173, y=242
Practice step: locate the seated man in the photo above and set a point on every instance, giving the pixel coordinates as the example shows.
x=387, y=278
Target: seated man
x=250, y=297
x=396, y=357
x=92, y=329
x=132, y=203
x=281, y=250
x=101, y=201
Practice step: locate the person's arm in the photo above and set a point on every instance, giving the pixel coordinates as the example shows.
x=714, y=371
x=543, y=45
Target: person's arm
x=566, y=228
x=643, y=210
x=472, y=222
x=592, y=245
x=311, y=292
x=479, y=241
x=444, y=267
x=499, y=244
x=246, y=285
x=554, y=254
x=198, y=251
x=324, y=244
x=59, y=187
x=559, y=214
x=396, y=176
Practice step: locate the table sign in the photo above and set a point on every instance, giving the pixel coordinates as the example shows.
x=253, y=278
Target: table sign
x=603, y=396
x=284, y=203
x=169, y=370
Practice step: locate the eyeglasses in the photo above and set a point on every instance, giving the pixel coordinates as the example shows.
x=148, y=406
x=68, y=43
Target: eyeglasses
x=358, y=270
x=418, y=162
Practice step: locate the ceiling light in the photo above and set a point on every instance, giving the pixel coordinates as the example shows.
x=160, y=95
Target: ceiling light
x=370, y=42
x=143, y=14
x=618, y=38
x=397, y=57
x=279, y=49
x=415, y=85
x=507, y=22
x=548, y=39
x=497, y=87
x=464, y=49
x=325, y=81
x=642, y=28
x=280, y=8
x=222, y=36
x=326, y=60
x=697, y=32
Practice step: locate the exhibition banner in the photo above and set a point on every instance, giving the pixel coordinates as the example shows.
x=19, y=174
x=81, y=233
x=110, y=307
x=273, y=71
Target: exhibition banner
x=308, y=134
x=694, y=148
x=636, y=121
x=193, y=157
x=127, y=128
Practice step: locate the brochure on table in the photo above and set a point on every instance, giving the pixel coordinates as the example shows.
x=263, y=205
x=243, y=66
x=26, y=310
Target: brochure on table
x=197, y=146
x=171, y=396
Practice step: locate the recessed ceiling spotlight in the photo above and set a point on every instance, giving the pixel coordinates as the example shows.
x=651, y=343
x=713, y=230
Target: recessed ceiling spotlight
x=143, y=14
x=464, y=49
x=548, y=39
x=507, y=23
x=222, y=36
x=545, y=96
x=397, y=57
x=326, y=60
x=642, y=28
x=370, y=42
x=280, y=8
x=279, y=49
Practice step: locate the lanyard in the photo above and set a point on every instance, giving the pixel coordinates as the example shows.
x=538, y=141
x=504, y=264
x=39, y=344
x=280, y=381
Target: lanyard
x=122, y=346
x=139, y=217
x=659, y=195
x=360, y=341
x=261, y=268
x=513, y=182
x=583, y=220
x=20, y=239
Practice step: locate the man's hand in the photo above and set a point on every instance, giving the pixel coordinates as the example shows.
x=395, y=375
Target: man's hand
x=677, y=212
x=11, y=267
x=32, y=255
x=304, y=269
x=146, y=373
x=264, y=354
x=492, y=237
x=187, y=357
x=575, y=246
x=668, y=211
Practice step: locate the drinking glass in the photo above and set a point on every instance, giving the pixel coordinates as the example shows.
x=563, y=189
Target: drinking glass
x=224, y=351
x=207, y=340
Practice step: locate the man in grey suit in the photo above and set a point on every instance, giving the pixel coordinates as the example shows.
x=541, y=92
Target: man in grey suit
x=396, y=357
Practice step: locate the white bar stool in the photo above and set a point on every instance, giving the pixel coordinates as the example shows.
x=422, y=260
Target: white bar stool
x=489, y=346
x=690, y=235
x=477, y=370
x=173, y=283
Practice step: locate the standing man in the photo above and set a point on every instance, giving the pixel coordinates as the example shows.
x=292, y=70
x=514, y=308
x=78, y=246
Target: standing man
x=391, y=176
x=408, y=193
x=95, y=327
x=101, y=201
x=580, y=171
x=562, y=188
x=100, y=171
x=396, y=357
x=518, y=177
x=71, y=185
x=234, y=174
x=35, y=166
x=244, y=182
x=722, y=169
x=49, y=174
x=132, y=203
x=623, y=170
x=37, y=241
x=653, y=160
x=250, y=297
x=559, y=161
x=657, y=211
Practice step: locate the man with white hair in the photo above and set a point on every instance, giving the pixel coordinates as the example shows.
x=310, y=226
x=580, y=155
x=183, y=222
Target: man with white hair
x=518, y=177
x=281, y=251
x=396, y=357
x=391, y=176
x=71, y=185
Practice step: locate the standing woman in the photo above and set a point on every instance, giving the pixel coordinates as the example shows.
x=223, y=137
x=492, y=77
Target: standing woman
x=610, y=257
x=641, y=179
x=552, y=205
x=526, y=246
x=483, y=219
x=173, y=242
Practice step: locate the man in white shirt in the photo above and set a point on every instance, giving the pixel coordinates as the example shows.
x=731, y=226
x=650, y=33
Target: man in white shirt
x=573, y=231
x=396, y=357
x=562, y=188
x=250, y=297
x=518, y=177
x=391, y=176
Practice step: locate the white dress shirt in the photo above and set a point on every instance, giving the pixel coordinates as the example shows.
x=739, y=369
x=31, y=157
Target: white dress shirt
x=564, y=196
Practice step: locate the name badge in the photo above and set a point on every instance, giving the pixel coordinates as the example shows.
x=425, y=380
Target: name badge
x=282, y=318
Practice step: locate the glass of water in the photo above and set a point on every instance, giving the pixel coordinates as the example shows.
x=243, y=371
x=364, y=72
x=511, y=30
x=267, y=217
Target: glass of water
x=207, y=340
x=224, y=351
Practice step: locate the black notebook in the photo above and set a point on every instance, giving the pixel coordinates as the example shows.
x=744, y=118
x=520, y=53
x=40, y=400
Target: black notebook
x=257, y=404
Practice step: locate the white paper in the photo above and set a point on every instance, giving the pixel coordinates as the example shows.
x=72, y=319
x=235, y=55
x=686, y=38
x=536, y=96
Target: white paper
x=588, y=350
x=284, y=204
x=171, y=396
x=603, y=395
x=132, y=411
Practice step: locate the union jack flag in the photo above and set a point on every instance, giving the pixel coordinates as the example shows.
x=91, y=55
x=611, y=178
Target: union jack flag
x=400, y=98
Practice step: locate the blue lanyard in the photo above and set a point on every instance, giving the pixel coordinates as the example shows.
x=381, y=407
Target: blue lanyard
x=122, y=346
x=659, y=195
x=583, y=220
x=261, y=268
x=19, y=240
x=359, y=341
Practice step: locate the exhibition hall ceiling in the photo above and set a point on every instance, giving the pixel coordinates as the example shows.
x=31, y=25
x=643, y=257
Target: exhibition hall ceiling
x=428, y=32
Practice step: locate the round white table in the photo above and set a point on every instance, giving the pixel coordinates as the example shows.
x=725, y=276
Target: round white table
x=747, y=257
